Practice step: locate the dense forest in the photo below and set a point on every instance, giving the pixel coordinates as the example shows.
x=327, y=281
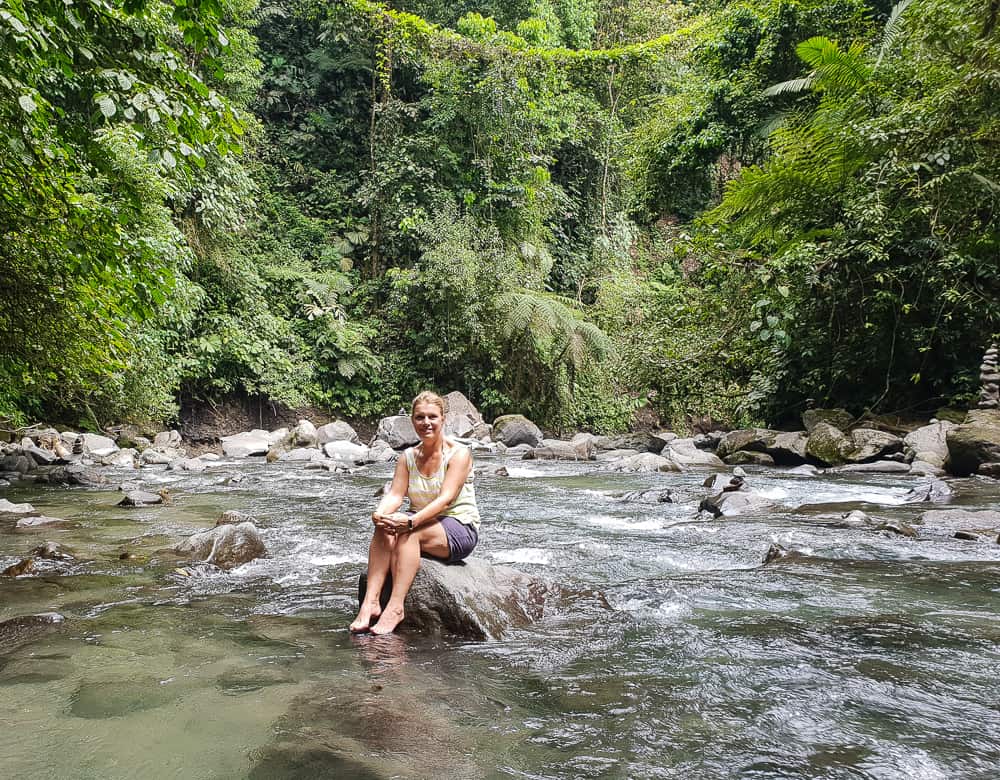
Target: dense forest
x=567, y=208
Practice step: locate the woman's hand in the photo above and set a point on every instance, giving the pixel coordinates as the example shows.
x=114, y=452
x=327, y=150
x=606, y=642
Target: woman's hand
x=394, y=524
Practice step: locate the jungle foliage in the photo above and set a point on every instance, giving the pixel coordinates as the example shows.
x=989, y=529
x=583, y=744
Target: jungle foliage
x=568, y=208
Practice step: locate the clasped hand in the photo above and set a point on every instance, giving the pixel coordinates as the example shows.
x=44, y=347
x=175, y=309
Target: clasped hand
x=396, y=523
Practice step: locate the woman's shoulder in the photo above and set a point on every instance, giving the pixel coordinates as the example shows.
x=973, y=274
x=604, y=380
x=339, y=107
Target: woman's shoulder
x=455, y=449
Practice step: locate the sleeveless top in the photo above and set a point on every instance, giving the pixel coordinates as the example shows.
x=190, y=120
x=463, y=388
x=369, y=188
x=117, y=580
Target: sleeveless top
x=422, y=490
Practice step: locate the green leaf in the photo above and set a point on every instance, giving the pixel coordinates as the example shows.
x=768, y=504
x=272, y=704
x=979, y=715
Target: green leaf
x=27, y=103
x=107, y=106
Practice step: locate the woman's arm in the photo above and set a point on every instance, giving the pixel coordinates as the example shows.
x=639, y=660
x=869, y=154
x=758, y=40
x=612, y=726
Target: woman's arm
x=458, y=471
x=393, y=498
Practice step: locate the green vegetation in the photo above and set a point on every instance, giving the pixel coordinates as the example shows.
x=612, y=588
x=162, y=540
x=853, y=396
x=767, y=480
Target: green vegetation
x=567, y=208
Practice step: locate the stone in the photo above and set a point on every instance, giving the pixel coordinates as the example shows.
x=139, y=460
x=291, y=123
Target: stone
x=27, y=566
x=869, y=444
x=554, y=449
x=195, y=465
x=639, y=441
x=233, y=517
x=225, y=546
x=803, y=470
x=735, y=502
x=877, y=467
x=746, y=457
x=900, y=529
x=381, y=452
x=718, y=483
x=935, y=491
x=37, y=522
x=141, y=498
x=458, y=405
x=514, y=429
x=40, y=456
x=9, y=508
x=73, y=474
x=301, y=454
x=52, y=551
x=123, y=459
x=304, y=434
x=929, y=443
x=167, y=440
x=643, y=462
x=948, y=522
x=854, y=519
x=989, y=470
x=244, y=445
x=749, y=439
x=25, y=628
x=789, y=448
x=97, y=445
x=974, y=442
x=920, y=468
x=838, y=418
x=828, y=444
x=336, y=431
x=472, y=600
x=17, y=464
x=347, y=452
x=155, y=457
x=778, y=554
x=653, y=496
x=686, y=454
x=397, y=431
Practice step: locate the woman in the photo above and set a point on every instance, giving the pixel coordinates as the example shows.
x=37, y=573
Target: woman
x=443, y=521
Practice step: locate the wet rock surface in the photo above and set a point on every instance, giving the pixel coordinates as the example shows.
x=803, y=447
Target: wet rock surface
x=226, y=546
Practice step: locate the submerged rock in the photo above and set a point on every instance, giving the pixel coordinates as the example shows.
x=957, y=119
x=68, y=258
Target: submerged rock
x=225, y=546
x=472, y=599
x=141, y=498
x=735, y=502
x=25, y=628
x=935, y=491
x=654, y=496
x=39, y=521
x=52, y=551
x=949, y=522
x=9, y=508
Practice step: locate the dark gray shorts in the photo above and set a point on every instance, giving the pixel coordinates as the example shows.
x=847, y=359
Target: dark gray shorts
x=462, y=538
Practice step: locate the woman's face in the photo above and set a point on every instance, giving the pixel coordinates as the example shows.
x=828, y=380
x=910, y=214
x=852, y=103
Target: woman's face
x=427, y=420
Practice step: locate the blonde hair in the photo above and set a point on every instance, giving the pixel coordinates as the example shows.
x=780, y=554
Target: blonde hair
x=428, y=397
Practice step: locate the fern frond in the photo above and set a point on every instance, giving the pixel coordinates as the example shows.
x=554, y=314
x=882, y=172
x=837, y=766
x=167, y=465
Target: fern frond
x=793, y=86
x=893, y=30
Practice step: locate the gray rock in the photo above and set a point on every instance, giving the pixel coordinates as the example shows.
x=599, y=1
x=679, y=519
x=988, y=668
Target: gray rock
x=921, y=468
x=685, y=454
x=643, y=462
x=936, y=491
x=878, y=467
x=838, y=418
x=40, y=456
x=233, y=517
x=37, y=522
x=397, y=431
x=473, y=600
x=828, y=444
x=19, y=569
x=869, y=444
x=140, y=498
x=8, y=508
x=855, y=519
x=155, y=457
x=948, y=522
x=639, y=441
x=514, y=429
x=195, y=465
x=302, y=454
x=736, y=502
x=804, y=470
x=555, y=449
x=17, y=464
x=974, y=442
x=97, y=445
x=749, y=439
x=244, y=445
x=346, y=452
x=26, y=628
x=336, y=431
x=53, y=551
x=745, y=457
x=225, y=546
x=652, y=496
x=123, y=459
x=277, y=436
x=304, y=434
x=991, y=470
x=167, y=440
x=458, y=405
x=898, y=528
x=929, y=443
x=381, y=452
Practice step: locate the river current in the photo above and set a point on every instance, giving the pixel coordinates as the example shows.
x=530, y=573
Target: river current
x=871, y=656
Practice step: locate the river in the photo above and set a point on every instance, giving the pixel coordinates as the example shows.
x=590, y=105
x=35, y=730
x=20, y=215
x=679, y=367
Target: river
x=873, y=656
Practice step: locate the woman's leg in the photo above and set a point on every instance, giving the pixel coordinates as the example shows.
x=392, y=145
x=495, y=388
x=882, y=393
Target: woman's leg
x=379, y=561
x=430, y=539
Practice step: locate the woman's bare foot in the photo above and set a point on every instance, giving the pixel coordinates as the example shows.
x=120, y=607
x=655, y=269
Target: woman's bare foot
x=366, y=615
x=391, y=618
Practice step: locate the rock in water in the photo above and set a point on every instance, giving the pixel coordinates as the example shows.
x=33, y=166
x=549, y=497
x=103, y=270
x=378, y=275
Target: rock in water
x=25, y=628
x=140, y=498
x=472, y=599
x=225, y=546
x=974, y=442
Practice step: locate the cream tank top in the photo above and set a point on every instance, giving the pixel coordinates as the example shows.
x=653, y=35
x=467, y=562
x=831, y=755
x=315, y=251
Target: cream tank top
x=422, y=490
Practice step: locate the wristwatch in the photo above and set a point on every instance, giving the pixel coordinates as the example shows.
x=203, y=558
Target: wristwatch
x=409, y=523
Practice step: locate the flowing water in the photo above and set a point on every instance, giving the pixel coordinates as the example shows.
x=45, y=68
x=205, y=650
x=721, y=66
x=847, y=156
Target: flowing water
x=872, y=656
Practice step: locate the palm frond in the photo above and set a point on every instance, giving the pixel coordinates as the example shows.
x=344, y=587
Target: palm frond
x=893, y=30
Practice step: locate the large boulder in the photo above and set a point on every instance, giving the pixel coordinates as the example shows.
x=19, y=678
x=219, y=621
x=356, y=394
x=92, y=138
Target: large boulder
x=167, y=440
x=685, y=454
x=639, y=441
x=556, y=449
x=463, y=418
x=787, y=448
x=473, y=599
x=304, y=434
x=974, y=443
x=514, y=429
x=344, y=451
x=828, y=444
x=243, y=445
x=748, y=458
x=397, y=431
x=97, y=445
x=838, y=418
x=735, y=502
x=225, y=546
x=643, y=462
x=929, y=443
x=300, y=454
x=336, y=431
x=749, y=439
x=868, y=444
